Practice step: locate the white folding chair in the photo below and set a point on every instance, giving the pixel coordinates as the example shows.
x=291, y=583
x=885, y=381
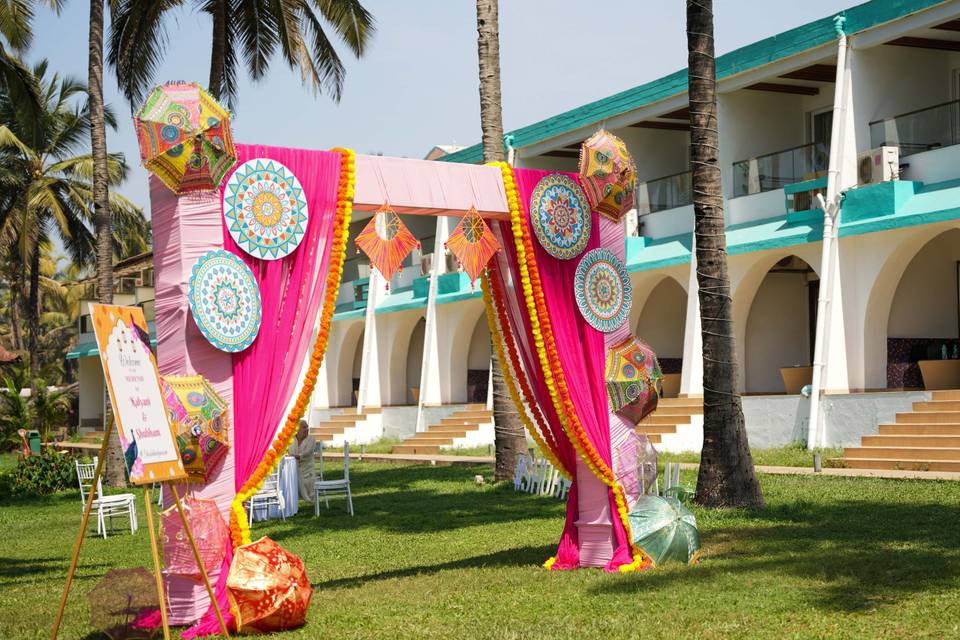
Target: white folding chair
x=106, y=507
x=521, y=473
x=671, y=476
x=269, y=495
x=327, y=488
x=564, y=488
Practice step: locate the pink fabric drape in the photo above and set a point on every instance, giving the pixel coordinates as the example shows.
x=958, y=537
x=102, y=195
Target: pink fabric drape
x=581, y=350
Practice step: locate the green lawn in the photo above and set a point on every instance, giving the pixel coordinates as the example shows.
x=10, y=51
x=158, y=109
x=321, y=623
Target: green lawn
x=431, y=554
x=791, y=455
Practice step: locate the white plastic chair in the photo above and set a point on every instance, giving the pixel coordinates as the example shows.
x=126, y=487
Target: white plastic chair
x=269, y=495
x=326, y=488
x=106, y=507
x=521, y=473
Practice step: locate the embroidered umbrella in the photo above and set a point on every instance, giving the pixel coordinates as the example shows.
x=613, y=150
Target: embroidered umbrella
x=632, y=376
x=665, y=530
x=185, y=137
x=473, y=243
x=120, y=600
x=267, y=587
x=201, y=422
x=608, y=174
x=210, y=533
x=386, y=241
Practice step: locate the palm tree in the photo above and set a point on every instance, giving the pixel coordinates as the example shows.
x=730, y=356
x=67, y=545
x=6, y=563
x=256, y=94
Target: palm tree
x=509, y=438
x=103, y=223
x=48, y=190
x=727, y=477
x=16, y=33
x=252, y=28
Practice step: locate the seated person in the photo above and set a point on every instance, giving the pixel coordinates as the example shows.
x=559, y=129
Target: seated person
x=303, y=448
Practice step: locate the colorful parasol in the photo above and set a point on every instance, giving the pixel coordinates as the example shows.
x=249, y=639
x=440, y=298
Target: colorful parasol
x=632, y=375
x=200, y=421
x=121, y=599
x=386, y=241
x=210, y=533
x=665, y=530
x=185, y=137
x=267, y=587
x=473, y=243
x=608, y=174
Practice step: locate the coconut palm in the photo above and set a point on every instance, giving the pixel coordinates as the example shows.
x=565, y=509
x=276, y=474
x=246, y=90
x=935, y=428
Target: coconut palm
x=253, y=29
x=16, y=33
x=48, y=190
x=509, y=438
x=727, y=477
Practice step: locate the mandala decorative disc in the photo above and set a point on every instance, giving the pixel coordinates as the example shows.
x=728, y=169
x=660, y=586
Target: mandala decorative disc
x=265, y=209
x=603, y=291
x=560, y=216
x=225, y=300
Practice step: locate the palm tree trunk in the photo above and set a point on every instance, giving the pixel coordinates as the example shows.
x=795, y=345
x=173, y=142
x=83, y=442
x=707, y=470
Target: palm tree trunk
x=727, y=477
x=219, y=49
x=33, y=318
x=16, y=294
x=102, y=220
x=509, y=438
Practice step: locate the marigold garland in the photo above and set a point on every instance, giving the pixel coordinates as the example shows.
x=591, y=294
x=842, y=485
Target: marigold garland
x=513, y=375
x=239, y=526
x=549, y=358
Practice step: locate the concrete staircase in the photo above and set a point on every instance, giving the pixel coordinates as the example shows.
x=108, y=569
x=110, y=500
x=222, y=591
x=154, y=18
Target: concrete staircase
x=925, y=439
x=671, y=424
x=453, y=431
x=339, y=427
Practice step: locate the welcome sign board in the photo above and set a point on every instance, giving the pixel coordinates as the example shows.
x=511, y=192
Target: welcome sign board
x=133, y=382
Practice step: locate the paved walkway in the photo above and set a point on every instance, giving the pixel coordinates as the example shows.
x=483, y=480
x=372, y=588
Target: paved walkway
x=446, y=460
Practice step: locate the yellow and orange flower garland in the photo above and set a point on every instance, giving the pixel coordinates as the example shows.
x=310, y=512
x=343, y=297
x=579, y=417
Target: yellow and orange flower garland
x=549, y=360
x=239, y=527
x=514, y=376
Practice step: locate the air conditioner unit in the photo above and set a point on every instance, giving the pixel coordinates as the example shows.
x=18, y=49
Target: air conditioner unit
x=878, y=165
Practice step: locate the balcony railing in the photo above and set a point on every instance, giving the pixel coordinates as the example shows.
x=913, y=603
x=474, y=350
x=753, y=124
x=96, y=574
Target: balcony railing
x=668, y=192
x=921, y=130
x=776, y=170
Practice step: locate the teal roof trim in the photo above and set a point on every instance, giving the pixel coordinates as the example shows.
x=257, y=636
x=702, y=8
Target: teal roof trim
x=460, y=295
x=894, y=205
x=797, y=40
x=348, y=315
x=90, y=349
x=645, y=254
x=401, y=301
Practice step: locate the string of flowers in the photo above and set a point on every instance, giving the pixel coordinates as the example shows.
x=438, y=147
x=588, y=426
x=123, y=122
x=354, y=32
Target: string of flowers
x=513, y=374
x=239, y=526
x=549, y=358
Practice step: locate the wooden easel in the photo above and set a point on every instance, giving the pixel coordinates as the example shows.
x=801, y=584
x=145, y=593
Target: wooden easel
x=148, y=501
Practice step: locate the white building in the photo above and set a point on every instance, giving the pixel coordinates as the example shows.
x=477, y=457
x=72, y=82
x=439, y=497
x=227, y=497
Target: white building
x=420, y=351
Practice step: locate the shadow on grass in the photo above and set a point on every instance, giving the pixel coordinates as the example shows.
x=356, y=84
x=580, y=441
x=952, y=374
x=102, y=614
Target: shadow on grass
x=859, y=555
x=518, y=557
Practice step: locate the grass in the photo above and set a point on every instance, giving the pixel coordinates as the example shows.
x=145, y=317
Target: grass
x=432, y=555
x=791, y=455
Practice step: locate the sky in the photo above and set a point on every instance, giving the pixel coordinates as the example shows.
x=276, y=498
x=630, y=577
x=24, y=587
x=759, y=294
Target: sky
x=417, y=84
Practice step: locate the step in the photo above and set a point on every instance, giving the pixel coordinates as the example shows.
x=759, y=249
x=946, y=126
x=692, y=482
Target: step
x=904, y=465
x=448, y=432
x=911, y=440
x=952, y=394
x=328, y=431
x=926, y=417
x=918, y=429
x=903, y=453
x=459, y=422
x=654, y=438
x=352, y=419
x=661, y=419
x=679, y=410
x=485, y=415
x=680, y=402
x=477, y=407
x=416, y=448
x=425, y=439
x=656, y=428
x=938, y=405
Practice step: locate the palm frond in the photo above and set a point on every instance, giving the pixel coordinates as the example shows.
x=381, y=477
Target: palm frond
x=352, y=22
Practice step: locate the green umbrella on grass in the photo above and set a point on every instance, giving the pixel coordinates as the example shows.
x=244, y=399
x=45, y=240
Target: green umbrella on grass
x=665, y=530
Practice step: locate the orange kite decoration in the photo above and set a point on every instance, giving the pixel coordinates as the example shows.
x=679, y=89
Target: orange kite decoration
x=386, y=241
x=473, y=243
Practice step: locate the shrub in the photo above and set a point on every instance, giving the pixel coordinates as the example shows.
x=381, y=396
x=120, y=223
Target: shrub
x=43, y=474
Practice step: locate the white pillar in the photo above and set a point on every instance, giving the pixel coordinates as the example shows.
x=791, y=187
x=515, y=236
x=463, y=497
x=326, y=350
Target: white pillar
x=369, y=394
x=691, y=375
x=430, y=383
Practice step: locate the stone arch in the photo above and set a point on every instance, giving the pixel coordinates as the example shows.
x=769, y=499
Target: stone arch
x=353, y=372
x=661, y=321
x=457, y=328
x=401, y=377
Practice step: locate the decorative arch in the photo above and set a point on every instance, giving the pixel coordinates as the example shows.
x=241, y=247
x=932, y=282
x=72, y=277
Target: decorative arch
x=661, y=321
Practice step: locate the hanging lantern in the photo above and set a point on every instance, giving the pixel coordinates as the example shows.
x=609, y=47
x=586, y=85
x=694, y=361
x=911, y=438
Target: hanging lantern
x=386, y=241
x=473, y=243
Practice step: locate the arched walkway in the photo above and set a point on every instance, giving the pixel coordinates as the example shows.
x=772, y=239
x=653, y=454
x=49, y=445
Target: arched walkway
x=913, y=310
x=399, y=376
x=478, y=362
x=354, y=385
x=415, y=361
x=661, y=323
x=774, y=313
